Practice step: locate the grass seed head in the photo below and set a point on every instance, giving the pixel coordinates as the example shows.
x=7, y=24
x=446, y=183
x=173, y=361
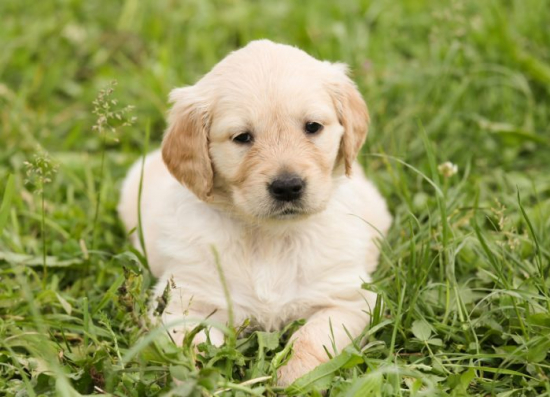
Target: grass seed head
x=40, y=170
x=110, y=116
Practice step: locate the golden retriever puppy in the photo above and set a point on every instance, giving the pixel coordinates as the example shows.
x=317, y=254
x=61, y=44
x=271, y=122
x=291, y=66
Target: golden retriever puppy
x=258, y=165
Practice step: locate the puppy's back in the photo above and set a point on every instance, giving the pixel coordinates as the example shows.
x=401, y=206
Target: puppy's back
x=156, y=180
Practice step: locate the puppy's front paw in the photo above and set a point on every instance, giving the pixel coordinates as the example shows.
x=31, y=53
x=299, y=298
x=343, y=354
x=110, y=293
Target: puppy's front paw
x=304, y=359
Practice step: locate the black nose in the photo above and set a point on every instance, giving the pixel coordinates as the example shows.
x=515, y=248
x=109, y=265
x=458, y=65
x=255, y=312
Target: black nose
x=287, y=187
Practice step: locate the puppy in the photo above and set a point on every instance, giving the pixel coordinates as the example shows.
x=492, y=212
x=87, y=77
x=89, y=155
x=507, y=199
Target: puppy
x=258, y=165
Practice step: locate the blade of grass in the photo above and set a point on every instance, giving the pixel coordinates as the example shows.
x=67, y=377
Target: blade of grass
x=5, y=208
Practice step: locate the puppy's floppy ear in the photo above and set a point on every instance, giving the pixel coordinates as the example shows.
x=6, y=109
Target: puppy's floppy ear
x=352, y=114
x=185, y=143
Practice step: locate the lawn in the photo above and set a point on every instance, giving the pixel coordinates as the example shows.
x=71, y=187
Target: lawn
x=464, y=273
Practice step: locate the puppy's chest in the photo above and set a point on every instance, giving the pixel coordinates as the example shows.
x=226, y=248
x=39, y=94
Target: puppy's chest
x=282, y=279
x=277, y=269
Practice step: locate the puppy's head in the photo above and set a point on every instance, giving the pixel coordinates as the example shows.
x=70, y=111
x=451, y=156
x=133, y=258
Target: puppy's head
x=268, y=129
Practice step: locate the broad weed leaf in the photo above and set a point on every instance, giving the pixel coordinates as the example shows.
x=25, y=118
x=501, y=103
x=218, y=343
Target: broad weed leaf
x=421, y=330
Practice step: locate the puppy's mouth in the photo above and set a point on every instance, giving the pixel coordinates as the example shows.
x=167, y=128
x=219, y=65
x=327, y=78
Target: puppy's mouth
x=288, y=212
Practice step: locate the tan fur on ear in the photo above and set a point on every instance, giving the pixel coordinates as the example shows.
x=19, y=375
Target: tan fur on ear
x=354, y=117
x=185, y=144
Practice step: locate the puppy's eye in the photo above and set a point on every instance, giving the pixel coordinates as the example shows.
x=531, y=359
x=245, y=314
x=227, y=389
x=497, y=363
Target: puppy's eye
x=313, y=127
x=245, y=137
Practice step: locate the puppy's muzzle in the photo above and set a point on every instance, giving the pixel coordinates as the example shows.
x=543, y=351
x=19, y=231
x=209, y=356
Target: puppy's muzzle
x=287, y=187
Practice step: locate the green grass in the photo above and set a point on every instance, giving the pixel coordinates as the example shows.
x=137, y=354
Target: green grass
x=464, y=273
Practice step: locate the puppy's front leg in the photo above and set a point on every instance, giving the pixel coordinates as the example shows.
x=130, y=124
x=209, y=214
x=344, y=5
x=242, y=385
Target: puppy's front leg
x=308, y=341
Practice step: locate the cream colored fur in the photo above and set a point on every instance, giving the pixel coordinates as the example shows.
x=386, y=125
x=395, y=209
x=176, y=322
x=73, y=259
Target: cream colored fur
x=205, y=191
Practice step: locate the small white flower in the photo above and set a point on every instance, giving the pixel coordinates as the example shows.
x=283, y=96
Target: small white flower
x=75, y=33
x=447, y=169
